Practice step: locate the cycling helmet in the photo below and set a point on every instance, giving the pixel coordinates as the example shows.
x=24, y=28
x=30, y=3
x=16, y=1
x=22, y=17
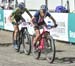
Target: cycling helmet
x=21, y=5
x=44, y=8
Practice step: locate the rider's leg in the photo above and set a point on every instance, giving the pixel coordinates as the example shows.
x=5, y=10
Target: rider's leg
x=37, y=35
x=15, y=33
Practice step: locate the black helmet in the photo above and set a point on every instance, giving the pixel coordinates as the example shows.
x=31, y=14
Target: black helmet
x=21, y=5
x=44, y=8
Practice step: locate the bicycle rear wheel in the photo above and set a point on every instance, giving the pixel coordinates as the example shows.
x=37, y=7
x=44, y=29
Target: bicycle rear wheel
x=35, y=51
x=26, y=39
x=50, y=49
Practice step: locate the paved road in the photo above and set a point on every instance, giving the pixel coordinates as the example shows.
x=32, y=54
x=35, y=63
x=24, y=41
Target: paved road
x=65, y=55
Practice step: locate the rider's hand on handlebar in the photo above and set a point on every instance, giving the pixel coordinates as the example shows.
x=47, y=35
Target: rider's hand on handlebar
x=55, y=25
x=32, y=25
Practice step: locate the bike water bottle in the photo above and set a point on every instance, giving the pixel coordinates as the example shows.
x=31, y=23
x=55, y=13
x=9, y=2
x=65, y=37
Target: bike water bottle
x=49, y=25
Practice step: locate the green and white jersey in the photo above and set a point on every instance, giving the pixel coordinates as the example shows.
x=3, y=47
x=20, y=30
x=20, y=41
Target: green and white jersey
x=18, y=12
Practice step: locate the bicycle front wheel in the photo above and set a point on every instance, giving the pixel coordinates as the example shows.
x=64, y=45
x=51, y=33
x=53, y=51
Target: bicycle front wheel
x=50, y=49
x=26, y=39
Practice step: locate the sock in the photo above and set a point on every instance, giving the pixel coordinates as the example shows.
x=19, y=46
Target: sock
x=14, y=42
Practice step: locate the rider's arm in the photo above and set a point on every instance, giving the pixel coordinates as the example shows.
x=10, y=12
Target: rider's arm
x=28, y=12
x=53, y=20
x=11, y=17
x=36, y=15
x=32, y=20
x=51, y=17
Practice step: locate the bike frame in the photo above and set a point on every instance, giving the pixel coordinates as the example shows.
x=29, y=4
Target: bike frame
x=42, y=37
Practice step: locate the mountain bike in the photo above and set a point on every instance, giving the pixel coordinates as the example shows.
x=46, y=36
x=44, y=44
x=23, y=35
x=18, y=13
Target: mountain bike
x=23, y=39
x=45, y=44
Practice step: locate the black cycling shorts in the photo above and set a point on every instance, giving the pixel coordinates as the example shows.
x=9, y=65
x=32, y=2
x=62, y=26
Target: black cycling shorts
x=39, y=25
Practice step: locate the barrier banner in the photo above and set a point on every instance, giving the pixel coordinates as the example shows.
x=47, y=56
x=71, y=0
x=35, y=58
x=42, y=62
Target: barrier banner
x=71, y=27
x=7, y=24
x=61, y=32
x=65, y=30
x=2, y=19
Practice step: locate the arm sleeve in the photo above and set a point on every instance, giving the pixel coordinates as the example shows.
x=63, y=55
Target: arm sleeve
x=13, y=13
x=28, y=12
x=36, y=14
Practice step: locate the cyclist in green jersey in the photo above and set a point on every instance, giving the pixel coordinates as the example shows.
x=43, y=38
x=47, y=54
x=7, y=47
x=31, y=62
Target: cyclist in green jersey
x=15, y=17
